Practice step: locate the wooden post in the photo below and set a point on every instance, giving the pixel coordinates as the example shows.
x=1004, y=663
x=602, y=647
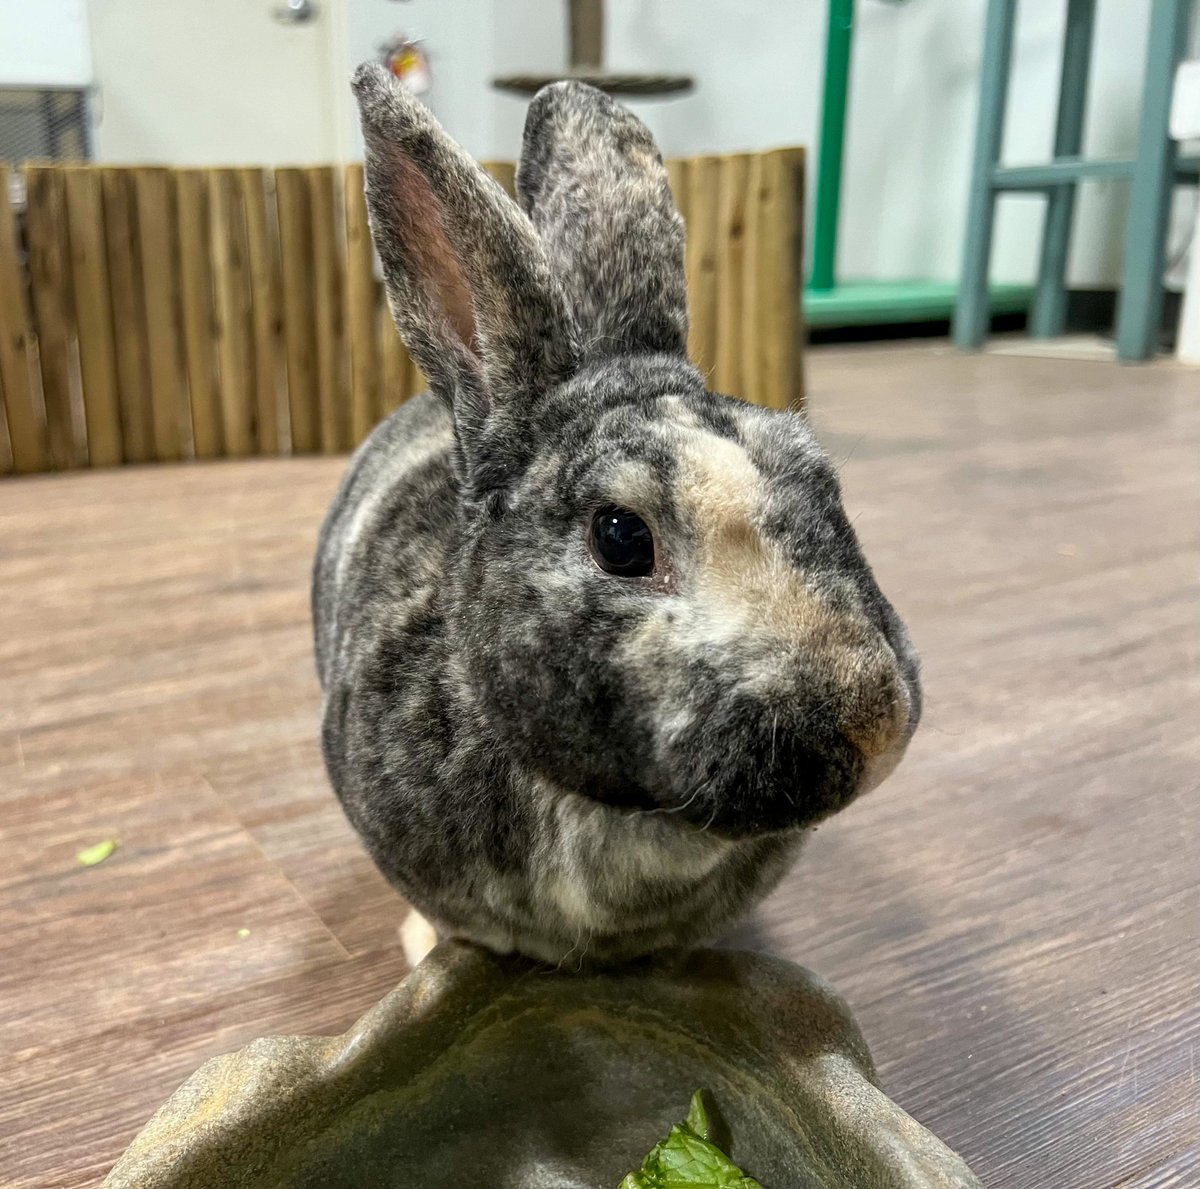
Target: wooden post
x=6, y=458
x=160, y=285
x=505, y=172
x=678, y=181
x=703, y=176
x=93, y=316
x=232, y=284
x=26, y=427
x=772, y=325
x=332, y=402
x=730, y=280
x=396, y=368
x=199, y=303
x=295, y=253
x=53, y=309
x=262, y=248
x=362, y=301
x=129, y=313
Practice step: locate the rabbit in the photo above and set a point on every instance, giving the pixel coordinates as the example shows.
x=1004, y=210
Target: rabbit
x=598, y=647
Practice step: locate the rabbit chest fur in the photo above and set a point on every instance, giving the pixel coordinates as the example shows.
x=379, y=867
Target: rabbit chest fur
x=597, y=645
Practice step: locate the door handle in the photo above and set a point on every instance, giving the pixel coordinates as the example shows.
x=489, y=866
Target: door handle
x=296, y=12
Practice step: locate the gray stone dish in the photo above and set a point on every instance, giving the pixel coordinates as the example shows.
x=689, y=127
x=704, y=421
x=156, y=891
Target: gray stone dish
x=494, y=1072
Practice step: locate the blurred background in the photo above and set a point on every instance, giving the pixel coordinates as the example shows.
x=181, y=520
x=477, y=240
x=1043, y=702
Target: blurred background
x=235, y=82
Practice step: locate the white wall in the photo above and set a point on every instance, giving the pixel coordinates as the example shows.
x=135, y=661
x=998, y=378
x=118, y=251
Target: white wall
x=219, y=82
x=758, y=64
x=44, y=44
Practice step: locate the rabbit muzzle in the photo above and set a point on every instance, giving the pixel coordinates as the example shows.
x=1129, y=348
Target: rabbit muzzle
x=799, y=734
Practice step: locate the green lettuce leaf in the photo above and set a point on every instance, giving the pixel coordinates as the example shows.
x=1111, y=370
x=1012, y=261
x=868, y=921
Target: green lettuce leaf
x=687, y=1159
x=91, y=855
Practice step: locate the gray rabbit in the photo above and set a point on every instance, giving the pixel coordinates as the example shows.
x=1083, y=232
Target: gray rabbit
x=597, y=645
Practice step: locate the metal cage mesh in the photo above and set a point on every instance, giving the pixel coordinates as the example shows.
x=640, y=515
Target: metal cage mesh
x=43, y=125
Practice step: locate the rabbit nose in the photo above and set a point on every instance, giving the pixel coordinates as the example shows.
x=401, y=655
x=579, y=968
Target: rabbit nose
x=876, y=707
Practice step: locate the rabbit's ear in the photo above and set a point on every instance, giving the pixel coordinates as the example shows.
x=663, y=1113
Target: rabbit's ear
x=467, y=279
x=593, y=182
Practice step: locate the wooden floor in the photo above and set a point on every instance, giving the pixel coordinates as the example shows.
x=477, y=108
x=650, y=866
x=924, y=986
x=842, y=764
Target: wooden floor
x=1015, y=917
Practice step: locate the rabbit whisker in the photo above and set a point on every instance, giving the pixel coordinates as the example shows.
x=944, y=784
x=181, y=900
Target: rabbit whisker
x=841, y=462
x=691, y=797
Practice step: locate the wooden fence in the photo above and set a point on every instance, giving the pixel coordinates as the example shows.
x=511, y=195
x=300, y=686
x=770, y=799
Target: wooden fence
x=154, y=314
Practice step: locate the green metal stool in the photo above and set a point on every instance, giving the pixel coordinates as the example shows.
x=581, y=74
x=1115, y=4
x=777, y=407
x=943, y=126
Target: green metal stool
x=1153, y=172
x=829, y=302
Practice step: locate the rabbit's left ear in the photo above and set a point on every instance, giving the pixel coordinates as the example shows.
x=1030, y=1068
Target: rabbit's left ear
x=593, y=182
x=468, y=281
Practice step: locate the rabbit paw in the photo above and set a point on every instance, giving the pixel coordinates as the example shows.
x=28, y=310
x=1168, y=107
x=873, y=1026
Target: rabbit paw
x=417, y=937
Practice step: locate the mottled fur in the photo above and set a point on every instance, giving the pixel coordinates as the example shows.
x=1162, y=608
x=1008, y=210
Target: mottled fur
x=596, y=190
x=541, y=756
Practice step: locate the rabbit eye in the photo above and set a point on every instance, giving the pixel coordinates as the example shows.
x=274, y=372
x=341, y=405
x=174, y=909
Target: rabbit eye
x=622, y=543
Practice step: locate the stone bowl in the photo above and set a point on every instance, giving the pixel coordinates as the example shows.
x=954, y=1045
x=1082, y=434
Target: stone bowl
x=497, y=1072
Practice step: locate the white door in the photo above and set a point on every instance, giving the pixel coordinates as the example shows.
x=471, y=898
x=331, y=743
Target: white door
x=218, y=82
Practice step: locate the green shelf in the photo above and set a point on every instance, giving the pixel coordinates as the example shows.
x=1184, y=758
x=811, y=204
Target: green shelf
x=875, y=303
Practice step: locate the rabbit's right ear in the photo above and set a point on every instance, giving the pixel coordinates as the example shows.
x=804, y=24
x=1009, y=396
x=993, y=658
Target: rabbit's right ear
x=467, y=279
x=593, y=182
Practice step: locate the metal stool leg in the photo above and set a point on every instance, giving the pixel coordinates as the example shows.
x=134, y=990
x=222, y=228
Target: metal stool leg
x=1140, y=312
x=971, y=313
x=1049, y=314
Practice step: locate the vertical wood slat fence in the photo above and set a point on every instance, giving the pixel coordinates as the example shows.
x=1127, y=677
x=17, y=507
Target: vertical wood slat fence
x=155, y=314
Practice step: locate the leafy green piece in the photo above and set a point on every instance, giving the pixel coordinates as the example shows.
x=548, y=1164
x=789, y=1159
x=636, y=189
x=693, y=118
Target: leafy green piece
x=91, y=855
x=687, y=1159
x=697, y=1116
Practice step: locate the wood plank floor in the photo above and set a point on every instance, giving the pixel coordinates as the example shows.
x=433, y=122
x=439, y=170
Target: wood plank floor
x=1015, y=916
